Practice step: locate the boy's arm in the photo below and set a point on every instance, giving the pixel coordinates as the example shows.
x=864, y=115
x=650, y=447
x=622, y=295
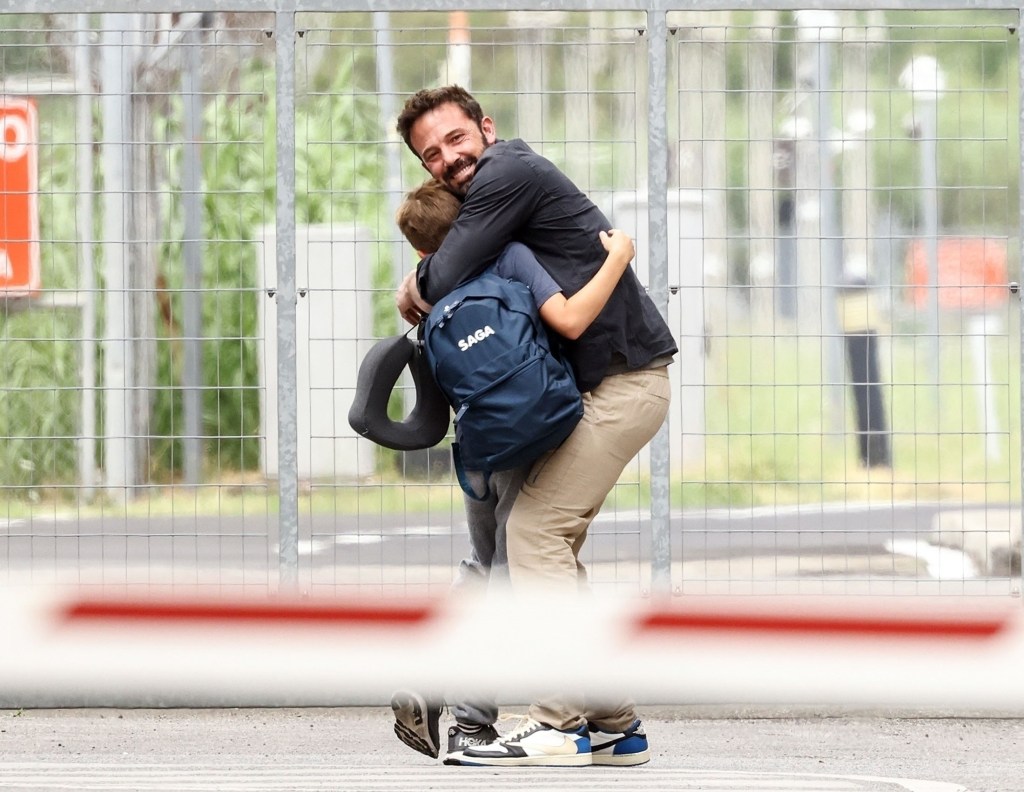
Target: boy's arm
x=570, y=317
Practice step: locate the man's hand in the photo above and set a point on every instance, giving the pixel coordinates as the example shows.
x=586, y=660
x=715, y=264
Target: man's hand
x=407, y=297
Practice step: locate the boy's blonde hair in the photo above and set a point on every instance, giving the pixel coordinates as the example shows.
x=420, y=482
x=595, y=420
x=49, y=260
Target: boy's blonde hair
x=426, y=214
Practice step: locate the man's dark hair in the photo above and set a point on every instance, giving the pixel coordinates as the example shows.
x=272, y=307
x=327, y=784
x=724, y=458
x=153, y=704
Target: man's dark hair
x=428, y=99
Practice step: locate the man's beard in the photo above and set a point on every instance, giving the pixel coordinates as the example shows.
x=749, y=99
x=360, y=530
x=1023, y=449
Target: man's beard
x=463, y=162
x=454, y=168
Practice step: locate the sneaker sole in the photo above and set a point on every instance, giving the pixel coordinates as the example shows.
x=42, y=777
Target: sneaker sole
x=572, y=760
x=407, y=711
x=622, y=760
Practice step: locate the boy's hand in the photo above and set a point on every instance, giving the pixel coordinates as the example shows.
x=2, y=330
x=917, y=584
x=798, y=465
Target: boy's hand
x=407, y=297
x=619, y=243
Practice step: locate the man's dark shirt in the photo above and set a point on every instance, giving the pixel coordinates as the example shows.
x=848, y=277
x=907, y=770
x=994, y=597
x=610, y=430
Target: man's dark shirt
x=517, y=195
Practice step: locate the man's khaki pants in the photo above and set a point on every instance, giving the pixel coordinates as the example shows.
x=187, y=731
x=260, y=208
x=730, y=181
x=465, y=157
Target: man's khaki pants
x=562, y=495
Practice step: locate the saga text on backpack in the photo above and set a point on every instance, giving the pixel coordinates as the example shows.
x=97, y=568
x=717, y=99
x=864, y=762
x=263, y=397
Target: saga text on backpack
x=489, y=351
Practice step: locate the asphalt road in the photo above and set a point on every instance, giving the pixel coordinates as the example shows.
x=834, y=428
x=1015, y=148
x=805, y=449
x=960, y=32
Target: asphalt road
x=410, y=539
x=352, y=749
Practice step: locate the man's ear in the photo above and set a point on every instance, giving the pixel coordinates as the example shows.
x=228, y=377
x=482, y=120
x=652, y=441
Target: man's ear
x=421, y=254
x=489, y=130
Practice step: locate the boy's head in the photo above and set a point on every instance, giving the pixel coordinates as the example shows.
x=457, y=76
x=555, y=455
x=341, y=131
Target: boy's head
x=426, y=214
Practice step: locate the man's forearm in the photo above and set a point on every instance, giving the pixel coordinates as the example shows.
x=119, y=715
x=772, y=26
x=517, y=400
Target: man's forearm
x=498, y=202
x=407, y=299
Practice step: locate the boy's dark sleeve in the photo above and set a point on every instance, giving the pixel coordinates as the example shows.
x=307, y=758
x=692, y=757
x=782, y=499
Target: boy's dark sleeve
x=500, y=200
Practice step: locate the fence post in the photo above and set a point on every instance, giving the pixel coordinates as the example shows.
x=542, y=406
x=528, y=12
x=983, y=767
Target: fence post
x=657, y=236
x=285, y=295
x=118, y=459
x=192, y=200
x=1014, y=287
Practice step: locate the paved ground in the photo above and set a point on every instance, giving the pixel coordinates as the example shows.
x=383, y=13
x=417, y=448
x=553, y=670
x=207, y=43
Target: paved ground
x=352, y=749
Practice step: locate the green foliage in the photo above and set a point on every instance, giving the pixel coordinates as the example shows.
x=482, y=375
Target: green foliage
x=337, y=181
x=24, y=45
x=977, y=120
x=979, y=44
x=766, y=420
x=40, y=362
x=978, y=129
x=39, y=369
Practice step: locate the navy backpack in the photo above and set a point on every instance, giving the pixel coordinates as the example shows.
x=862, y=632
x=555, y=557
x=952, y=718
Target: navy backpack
x=513, y=397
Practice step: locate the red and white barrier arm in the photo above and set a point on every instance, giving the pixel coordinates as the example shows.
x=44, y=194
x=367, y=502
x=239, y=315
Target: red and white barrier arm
x=64, y=649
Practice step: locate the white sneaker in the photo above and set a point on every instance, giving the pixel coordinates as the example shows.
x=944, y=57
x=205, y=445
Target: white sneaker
x=533, y=744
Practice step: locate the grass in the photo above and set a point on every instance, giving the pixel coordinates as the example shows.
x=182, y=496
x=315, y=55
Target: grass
x=773, y=437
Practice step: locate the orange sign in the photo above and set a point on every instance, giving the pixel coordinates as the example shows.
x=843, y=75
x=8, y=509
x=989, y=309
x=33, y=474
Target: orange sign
x=972, y=273
x=19, y=212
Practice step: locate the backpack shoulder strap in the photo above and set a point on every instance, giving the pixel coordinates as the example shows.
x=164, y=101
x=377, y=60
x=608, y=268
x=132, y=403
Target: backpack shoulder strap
x=464, y=482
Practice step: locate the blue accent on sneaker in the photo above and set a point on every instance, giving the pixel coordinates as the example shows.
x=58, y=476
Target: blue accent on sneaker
x=620, y=749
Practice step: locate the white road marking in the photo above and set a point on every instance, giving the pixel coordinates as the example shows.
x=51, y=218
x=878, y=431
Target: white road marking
x=223, y=777
x=943, y=563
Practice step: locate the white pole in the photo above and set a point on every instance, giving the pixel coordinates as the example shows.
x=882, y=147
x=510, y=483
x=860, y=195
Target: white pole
x=926, y=82
x=979, y=328
x=821, y=28
x=459, y=68
x=87, y=281
x=191, y=189
x=116, y=338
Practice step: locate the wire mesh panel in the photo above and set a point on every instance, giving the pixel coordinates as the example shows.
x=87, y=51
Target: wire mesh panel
x=131, y=396
x=842, y=217
x=568, y=84
x=847, y=234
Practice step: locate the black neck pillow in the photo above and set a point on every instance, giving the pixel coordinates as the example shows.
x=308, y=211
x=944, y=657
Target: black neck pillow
x=426, y=425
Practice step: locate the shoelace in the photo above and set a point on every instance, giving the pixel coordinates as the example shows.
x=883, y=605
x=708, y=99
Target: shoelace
x=524, y=724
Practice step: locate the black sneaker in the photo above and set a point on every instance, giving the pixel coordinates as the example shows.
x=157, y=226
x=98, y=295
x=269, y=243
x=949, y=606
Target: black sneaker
x=459, y=740
x=416, y=722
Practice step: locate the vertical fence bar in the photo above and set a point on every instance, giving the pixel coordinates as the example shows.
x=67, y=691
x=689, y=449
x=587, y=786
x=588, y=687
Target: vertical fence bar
x=285, y=295
x=117, y=464
x=391, y=140
x=926, y=108
x=1020, y=278
x=85, y=162
x=657, y=235
x=832, y=265
x=191, y=186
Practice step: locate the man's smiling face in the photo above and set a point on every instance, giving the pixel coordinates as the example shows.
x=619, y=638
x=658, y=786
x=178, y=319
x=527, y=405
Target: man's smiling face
x=450, y=143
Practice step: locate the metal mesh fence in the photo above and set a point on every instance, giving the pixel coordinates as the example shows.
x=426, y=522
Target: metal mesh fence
x=825, y=203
